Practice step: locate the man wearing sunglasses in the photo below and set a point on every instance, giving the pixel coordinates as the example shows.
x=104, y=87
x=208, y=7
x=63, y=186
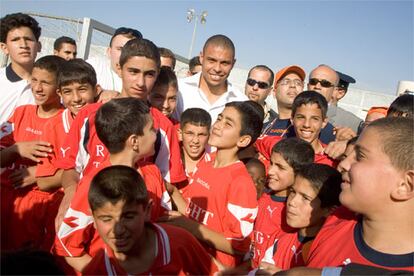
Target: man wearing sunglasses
x=258, y=87
x=210, y=89
x=107, y=68
x=326, y=81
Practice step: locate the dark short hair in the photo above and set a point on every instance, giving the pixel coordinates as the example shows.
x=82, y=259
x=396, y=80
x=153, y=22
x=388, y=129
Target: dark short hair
x=61, y=40
x=17, y=20
x=325, y=180
x=77, y=70
x=402, y=106
x=166, y=77
x=252, y=161
x=397, y=140
x=128, y=32
x=195, y=116
x=310, y=97
x=140, y=48
x=195, y=61
x=264, y=68
x=53, y=64
x=222, y=41
x=251, y=114
x=117, y=183
x=167, y=53
x=120, y=118
x=296, y=152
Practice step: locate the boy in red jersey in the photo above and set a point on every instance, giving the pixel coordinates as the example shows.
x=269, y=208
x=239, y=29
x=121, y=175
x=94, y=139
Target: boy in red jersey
x=26, y=211
x=287, y=157
x=193, y=133
x=133, y=245
x=220, y=202
x=308, y=118
x=77, y=87
x=378, y=185
x=140, y=65
x=125, y=127
x=311, y=199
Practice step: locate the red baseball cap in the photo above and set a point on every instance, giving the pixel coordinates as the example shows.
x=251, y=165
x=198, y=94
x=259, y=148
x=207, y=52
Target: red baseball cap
x=290, y=69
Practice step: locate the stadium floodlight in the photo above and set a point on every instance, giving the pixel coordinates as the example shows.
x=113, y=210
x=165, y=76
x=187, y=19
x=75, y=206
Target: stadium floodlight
x=191, y=14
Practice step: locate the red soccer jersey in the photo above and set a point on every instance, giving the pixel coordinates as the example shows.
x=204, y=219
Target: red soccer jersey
x=57, y=129
x=270, y=223
x=288, y=251
x=264, y=146
x=178, y=253
x=77, y=234
x=86, y=151
x=27, y=213
x=340, y=242
x=224, y=200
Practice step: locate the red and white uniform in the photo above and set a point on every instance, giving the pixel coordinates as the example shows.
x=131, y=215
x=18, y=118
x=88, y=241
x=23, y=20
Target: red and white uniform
x=27, y=214
x=265, y=144
x=86, y=151
x=224, y=200
x=178, y=253
x=269, y=225
x=57, y=129
x=77, y=235
x=340, y=242
x=288, y=251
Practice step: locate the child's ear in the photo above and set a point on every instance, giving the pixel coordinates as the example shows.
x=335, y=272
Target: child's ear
x=4, y=48
x=148, y=210
x=180, y=134
x=133, y=142
x=405, y=189
x=39, y=46
x=325, y=122
x=244, y=141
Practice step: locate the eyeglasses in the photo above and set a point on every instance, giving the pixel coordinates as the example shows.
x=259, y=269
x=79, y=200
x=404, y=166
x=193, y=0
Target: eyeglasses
x=324, y=83
x=289, y=82
x=260, y=84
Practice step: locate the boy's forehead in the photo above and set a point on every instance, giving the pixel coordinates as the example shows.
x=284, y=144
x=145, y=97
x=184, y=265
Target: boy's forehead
x=22, y=30
x=193, y=126
x=41, y=72
x=141, y=63
x=309, y=108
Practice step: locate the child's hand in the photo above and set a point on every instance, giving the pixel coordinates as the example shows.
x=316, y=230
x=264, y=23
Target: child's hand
x=23, y=177
x=335, y=149
x=33, y=149
x=107, y=95
x=344, y=133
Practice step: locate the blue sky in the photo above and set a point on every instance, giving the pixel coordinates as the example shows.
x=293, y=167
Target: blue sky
x=373, y=41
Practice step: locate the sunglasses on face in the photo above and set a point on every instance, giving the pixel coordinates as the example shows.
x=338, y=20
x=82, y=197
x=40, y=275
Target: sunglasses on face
x=260, y=84
x=324, y=83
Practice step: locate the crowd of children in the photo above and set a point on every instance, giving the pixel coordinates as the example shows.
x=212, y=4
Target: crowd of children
x=121, y=186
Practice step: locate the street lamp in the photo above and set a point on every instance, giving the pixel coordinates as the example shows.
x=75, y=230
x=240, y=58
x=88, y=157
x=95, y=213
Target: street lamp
x=191, y=14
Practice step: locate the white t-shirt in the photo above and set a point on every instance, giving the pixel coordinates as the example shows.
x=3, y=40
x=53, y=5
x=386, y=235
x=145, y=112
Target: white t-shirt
x=107, y=78
x=14, y=92
x=190, y=95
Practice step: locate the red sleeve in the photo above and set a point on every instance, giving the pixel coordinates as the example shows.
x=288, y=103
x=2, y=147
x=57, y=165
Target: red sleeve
x=7, y=128
x=241, y=212
x=265, y=144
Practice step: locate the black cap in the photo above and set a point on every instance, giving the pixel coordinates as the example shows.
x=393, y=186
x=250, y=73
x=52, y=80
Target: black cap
x=344, y=80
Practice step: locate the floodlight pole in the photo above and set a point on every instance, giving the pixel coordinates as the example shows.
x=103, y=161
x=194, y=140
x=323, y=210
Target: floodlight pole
x=190, y=15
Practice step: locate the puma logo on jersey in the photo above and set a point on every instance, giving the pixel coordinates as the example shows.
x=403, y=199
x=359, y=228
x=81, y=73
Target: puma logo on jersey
x=271, y=210
x=64, y=151
x=245, y=216
x=295, y=252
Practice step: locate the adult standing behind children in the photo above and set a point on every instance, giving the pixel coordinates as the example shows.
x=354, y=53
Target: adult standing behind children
x=20, y=40
x=65, y=47
x=107, y=68
x=210, y=89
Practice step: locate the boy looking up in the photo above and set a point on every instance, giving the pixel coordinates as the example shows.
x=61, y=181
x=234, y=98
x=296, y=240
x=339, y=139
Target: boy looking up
x=19, y=40
x=76, y=87
x=221, y=210
x=377, y=185
x=121, y=210
x=21, y=148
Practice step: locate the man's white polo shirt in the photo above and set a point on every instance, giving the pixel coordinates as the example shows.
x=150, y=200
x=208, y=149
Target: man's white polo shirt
x=14, y=92
x=190, y=95
x=107, y=78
